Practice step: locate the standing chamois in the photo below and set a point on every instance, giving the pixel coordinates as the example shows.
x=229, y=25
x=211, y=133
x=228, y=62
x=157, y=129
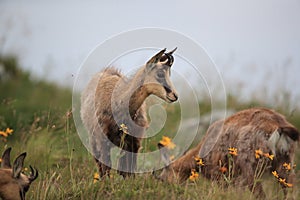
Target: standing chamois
x=249, y=137
x=113, y=110
x=13, y=183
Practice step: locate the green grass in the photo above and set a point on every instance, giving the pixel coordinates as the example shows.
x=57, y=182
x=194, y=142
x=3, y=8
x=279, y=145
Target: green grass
x=39, y=114
x=66, y=172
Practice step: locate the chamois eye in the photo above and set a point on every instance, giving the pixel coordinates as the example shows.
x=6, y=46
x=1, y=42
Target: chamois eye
x=160, y=74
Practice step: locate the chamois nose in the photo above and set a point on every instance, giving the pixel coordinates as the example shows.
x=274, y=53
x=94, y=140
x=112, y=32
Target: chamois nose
x=175, y=96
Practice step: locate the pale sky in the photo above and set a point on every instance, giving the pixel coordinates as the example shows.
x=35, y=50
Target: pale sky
x=255, y=44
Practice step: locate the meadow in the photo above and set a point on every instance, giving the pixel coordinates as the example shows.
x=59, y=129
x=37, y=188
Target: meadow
x=39, y=113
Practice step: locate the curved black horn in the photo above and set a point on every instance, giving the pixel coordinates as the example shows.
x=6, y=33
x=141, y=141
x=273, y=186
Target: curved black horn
x=169, y=57
x=33, y=174
x=171, y=52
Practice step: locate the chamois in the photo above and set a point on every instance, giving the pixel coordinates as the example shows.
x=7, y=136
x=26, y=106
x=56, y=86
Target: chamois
x=13, y=183
x=254, y=133
x=112, y=101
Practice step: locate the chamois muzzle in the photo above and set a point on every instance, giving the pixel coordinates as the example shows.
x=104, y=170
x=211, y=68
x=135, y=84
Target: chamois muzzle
x=172, y=96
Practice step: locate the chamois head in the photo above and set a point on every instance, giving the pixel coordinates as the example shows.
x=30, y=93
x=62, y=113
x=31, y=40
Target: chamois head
x=13, y=183
x=157, y=80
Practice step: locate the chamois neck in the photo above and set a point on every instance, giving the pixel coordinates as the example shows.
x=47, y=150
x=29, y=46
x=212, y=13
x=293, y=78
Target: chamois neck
x=135, y=92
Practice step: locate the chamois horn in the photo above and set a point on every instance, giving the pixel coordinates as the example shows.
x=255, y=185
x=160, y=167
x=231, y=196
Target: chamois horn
x=33, y=174
x=169, y=57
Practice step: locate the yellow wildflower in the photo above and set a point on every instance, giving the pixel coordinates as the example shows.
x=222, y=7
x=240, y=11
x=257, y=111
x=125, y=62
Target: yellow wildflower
x=233, y=151
x=281, y=180
x=287, y=166
x=194, y=175
x=258, y=153
x=275, y=174
x=199, y=161
x=267, y=155
x=9, y=131
x=223, y=170
x=4, y=134
x=288, y=185
x=167, y=142
x=124, y=128
x=96, y=177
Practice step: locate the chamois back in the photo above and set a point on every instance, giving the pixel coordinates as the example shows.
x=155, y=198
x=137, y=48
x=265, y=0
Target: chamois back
x=247, y=136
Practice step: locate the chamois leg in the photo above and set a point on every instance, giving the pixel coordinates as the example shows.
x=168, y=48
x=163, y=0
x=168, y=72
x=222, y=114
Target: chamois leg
x=128, y=162
x=101, y=152
x=105, y=162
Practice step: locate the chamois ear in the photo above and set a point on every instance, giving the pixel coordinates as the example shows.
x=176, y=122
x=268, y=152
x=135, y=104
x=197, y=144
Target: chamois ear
x=18, y=165
x=6, y=159
x=164, y=154
x=292, y=132
x=151, y=63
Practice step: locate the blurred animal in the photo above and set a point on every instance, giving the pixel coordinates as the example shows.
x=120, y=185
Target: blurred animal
x=113, y=109
x=253, y=134
x=13, y=183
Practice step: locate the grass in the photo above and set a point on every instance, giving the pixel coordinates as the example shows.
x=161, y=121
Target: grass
x=43, y=127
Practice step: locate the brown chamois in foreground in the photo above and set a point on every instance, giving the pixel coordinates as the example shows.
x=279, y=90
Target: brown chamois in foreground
x=111, y=100
x=13, y=183
x=249, y=130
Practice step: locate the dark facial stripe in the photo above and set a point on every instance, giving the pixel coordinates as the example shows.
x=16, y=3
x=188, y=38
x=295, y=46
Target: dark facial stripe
x=164, y=83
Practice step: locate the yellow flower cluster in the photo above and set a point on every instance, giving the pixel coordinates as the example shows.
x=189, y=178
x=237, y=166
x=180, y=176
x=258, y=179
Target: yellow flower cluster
x=259, y=153
x=167, y=142
x=96, y=177
x=194, y=175
x=124, y=128
x=282, y=181
x=233, y=151
x=287, y=166
x=199, y=161
x=7, y=132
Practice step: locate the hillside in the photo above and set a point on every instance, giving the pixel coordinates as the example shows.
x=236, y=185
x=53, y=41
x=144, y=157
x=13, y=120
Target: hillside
x=39, y=113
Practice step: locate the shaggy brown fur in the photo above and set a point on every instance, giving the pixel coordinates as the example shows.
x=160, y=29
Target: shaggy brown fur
x=13, y=183
x=111, y=99
x=247, y=130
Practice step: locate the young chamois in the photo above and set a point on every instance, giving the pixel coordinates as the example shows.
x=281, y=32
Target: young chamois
x=253, y=136
x=13, y=183
x=113, y=110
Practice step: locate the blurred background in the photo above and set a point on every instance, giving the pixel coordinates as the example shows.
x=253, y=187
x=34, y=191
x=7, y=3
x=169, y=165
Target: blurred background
x=254, y=44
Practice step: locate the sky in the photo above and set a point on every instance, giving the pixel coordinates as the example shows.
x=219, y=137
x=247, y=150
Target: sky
x=255, y=44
